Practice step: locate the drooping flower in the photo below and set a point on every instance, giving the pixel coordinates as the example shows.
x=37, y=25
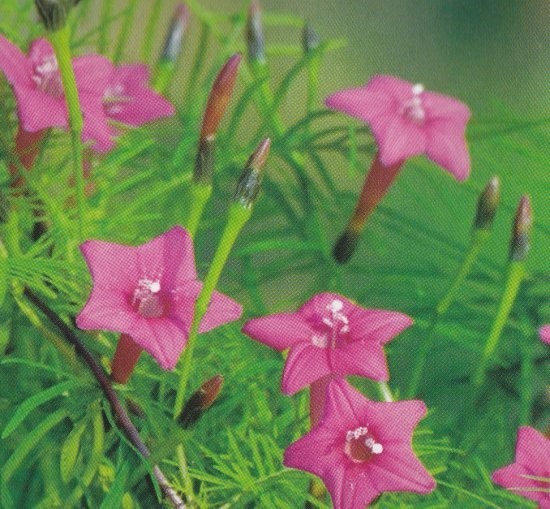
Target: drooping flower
x=544, y=333
x=38, y=88
x=148, y=293
x=329, y=335
x=407, y=120
x=529, y=475
x=362, y=448
x=128, y=99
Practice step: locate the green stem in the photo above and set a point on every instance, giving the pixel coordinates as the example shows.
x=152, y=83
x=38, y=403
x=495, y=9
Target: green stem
x=478, y=239
x=163, y=75
x=125, y=30
x=105, y=20
x=150, y=31
x=516, y=273
x=60, y=42
x=200, y=194
x=238, y=216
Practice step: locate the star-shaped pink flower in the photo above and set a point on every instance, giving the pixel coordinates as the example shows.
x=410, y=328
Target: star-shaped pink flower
x=329, y=335
x=407, y=121
x=148, y=292
x=37, y=83
x=529, y=476
x=544, y=333
x=127, y=99
x=362, y=448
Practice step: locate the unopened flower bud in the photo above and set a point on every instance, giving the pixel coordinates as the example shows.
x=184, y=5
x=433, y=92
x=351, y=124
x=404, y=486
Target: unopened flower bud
x=54, y=13
x=176, y=32
x=487, y=205
x=219, y=96
x=204, y=162
x=200, y=401
x=249, y=183
x=255, y=33
x=310, y=38
x=521, y=231
x=345, y=245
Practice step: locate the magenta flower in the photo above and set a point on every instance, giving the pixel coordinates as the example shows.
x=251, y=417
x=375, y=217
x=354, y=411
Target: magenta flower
x=529, y=476
x=544, y=333
x=407, y=121
x=148, y=293
x=329, y=335
x=37, y=83
x=362, y=448
x=127, y=99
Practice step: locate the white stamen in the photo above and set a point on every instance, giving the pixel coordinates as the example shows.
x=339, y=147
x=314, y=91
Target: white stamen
x=417, y=89
x=377, y=448
x=320, y=340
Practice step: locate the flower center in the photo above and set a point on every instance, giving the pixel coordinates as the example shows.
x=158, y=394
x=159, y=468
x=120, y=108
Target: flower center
x=360, y=445
x=147, y=299
x=413, y=108
x=113, y=97
x=332, y=326
x=46, y=77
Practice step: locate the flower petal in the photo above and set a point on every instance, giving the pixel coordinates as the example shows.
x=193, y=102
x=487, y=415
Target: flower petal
x=112, y=266
x=533, y=450
x=359, y=489
x=344, y=406
x=377, y=325
x=361, y=103
x=305, y=364
x=514, y=476
x=544, y=333
x=361, y=358
x=279, y=331
x=14, y=64
x=221, y=310
x=446, y=146
x=444, y=107
x=398, y=469
x=38, y=111
x=106, y=310
x=403, y=416
x=398, y=140
x=93, y=74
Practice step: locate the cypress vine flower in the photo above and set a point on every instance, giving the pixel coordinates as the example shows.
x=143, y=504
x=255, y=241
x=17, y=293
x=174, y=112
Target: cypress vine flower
x=544, y=333
x=329, y=335
x=529, y=475
x=148, y=294
x=362, y=448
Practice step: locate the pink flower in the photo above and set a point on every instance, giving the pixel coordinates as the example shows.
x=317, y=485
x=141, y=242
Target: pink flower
x=148, y=292
x=362, y=448
x=407, y=121
x=529, y=476
x=329, y=335
x=127, y=99
x=37, y=83
x=544, y=333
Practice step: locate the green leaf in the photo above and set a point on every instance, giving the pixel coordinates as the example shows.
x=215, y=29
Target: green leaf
x=69, y=451
x=114, y=497
x=4, y=278
x=33, y=402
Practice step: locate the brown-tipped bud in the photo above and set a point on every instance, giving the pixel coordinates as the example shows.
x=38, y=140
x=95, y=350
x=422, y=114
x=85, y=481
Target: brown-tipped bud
x=219, y=96
x=255, y=41
x=310, y=38
x=249, y=183
x=176, y=32
x=204, y=162
x=53, y=13
x=200, y=401
x=487, y=205
x=345, y=246
x=521, y=231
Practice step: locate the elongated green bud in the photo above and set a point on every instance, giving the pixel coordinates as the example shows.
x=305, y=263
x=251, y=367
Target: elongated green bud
x=255, y=40
x=200, y=401
x=521, y=231
x=249, y=183
x=310, y=38
x=54, y=13
x=176, y=32
x=487, y=205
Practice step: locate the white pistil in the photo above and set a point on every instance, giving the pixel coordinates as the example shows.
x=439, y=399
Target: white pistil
x=413, y=108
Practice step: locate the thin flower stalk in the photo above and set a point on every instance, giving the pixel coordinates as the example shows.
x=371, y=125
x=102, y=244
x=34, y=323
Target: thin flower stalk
x=173, y=45
x=60, y=41
x=486, y=209
x=519, y=247
x=239, y=213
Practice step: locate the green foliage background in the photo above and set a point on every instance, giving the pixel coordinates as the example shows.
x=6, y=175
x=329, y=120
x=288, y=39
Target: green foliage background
x=60, y=445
